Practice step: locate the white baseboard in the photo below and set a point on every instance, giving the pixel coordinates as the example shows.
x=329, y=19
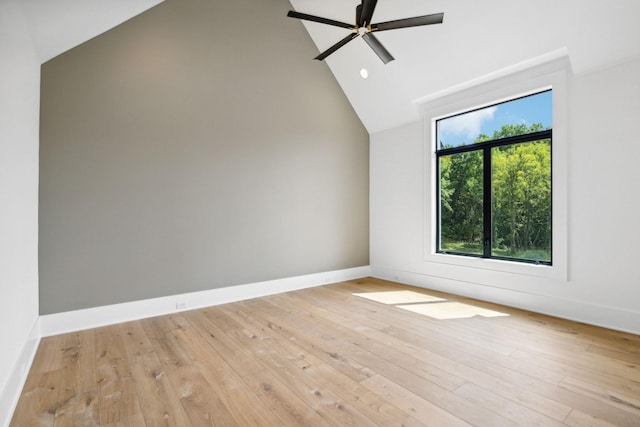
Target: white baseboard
x=12, y=389
x=59, y=323
x=580, y=311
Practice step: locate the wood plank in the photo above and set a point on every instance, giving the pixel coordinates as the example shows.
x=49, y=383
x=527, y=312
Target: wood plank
x=136, y=420
x=49, y=356
x=78, y=398
x=507, y=408
x=624, y=356
x=625, y=400
x=80, y=409
x=116, y=389
x=412, y=403
x=283, y=401
x=39, y=401
x=202, y=407
x=135, y=340
x=578, y=418
x=159, y=401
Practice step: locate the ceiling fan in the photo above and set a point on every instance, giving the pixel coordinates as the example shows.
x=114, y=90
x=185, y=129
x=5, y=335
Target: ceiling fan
x=363, y=27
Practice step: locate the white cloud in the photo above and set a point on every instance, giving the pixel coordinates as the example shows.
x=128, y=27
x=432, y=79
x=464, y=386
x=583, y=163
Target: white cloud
x=469, y=124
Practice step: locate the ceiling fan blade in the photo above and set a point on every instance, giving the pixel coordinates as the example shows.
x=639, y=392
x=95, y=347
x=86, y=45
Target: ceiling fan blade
x=417, y=21
x=368, y=6
x=377, y=47
x=336, y=46
x=358, y=15
x=294, y=14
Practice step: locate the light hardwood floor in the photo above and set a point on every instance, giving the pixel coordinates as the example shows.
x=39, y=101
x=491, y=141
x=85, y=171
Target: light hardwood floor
x=324, y=356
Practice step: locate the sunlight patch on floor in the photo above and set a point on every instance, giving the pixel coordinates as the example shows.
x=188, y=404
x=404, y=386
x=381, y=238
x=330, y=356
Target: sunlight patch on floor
x=398, y=297
x=451, y=310
x=429, y=305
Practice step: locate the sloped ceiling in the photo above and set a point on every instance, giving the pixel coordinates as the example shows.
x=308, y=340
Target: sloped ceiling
x=477, y=38
x=59, y=25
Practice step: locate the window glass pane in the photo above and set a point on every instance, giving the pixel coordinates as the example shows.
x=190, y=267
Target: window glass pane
x=523, y=115
x=521, y=201
x=461, y=203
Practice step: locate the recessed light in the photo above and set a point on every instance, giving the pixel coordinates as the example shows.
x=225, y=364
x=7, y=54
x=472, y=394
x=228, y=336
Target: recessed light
x=364, y=73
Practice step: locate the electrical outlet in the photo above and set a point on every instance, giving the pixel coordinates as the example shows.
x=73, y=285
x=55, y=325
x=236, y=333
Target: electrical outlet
x=181, y=305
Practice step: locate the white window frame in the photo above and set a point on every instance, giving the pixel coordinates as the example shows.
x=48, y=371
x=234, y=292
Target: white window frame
x=547, y=72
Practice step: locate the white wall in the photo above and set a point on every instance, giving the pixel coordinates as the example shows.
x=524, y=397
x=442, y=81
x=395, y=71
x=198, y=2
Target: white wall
x=603, y=284
x=19, y=104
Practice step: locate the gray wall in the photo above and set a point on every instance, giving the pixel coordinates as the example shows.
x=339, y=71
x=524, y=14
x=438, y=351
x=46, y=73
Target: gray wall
x=196, y=146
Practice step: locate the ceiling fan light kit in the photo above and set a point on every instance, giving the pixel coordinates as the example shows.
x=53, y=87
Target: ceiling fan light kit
x=363, y=27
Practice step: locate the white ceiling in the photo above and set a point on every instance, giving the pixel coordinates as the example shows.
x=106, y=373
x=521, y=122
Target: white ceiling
x=59, y=25
x=477, y=38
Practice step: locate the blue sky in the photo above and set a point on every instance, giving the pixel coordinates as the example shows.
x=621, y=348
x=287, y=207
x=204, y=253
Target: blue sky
x=464, y=128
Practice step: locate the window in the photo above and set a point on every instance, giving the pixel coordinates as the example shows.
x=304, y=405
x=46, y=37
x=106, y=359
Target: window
x=494, y=181
x=549, y=74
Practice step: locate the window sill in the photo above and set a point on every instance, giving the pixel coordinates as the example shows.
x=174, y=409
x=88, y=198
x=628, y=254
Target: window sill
x=552, y=272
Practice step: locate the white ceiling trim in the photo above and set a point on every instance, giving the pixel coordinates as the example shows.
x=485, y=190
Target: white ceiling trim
x=558, y=54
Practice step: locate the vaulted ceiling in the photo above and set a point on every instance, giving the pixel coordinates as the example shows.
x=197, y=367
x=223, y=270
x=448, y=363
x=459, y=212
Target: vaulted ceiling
x=477, y=38
x=59, y=25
